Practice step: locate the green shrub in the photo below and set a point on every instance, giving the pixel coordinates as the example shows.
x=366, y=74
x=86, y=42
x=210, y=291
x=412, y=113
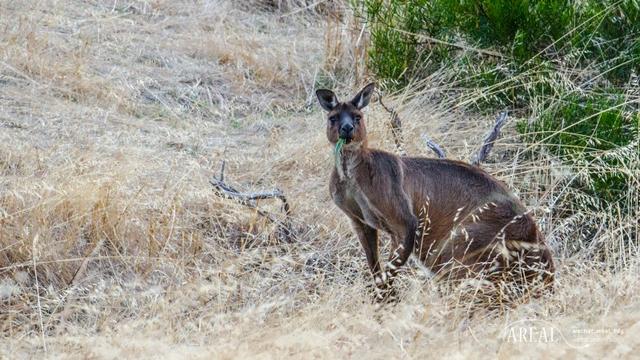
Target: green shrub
x=587, y=130
x=526, y=26
x=572, y=58
x=605, y=32
x=392, y=23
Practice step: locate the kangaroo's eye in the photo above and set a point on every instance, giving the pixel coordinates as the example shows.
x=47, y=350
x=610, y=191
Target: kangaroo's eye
x=333, y=119
x=356, y=119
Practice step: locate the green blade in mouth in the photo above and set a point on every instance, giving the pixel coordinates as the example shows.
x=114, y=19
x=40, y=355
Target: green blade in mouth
x=338, y=150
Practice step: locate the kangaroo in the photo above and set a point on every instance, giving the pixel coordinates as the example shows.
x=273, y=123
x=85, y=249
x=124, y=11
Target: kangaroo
x=458, y=220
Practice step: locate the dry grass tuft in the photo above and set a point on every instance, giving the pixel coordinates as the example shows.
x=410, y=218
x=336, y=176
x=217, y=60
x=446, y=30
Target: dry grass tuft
x=113, y=116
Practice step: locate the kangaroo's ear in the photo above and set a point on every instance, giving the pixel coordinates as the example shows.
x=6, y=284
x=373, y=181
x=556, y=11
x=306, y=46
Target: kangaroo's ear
x=327, y=99
x=362, y=98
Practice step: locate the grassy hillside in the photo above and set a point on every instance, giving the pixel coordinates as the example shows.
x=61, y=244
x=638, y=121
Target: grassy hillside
x=114, y=115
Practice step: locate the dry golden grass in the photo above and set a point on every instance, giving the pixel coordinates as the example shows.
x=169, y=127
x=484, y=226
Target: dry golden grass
x=114, y=115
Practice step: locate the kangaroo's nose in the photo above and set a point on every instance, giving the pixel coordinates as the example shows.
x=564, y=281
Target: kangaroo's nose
x=346, y=130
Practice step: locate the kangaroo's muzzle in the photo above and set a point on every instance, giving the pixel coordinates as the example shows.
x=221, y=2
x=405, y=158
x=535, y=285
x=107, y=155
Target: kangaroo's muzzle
x=346, y=132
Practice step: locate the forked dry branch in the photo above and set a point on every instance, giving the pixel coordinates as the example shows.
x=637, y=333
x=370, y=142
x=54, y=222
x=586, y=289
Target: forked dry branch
x=249, y=199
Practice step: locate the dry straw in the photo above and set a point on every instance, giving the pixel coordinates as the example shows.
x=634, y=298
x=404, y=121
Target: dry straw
x=115, y=114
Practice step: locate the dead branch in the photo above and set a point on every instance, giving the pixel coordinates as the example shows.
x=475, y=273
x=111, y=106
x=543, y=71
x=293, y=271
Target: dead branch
x=489, y=139
x=479, y=157
x=432, y=40
x=66, y=310
x=249, y=200
x=434, y=146
x=396, y=125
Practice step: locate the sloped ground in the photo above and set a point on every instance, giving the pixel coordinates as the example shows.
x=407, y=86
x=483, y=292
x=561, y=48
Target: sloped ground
x=114, y=115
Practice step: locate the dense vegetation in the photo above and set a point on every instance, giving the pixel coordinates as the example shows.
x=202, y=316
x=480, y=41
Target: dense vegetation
x=569, y=67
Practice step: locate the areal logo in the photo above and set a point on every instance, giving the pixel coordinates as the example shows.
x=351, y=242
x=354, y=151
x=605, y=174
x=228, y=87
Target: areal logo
x=531, y=331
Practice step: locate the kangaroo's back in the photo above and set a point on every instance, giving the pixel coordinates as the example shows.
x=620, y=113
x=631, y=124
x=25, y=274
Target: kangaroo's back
x=471, y=222
x=452, y=184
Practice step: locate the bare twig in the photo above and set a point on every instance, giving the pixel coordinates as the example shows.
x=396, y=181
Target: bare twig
x=396, y=125
x=489, y=139
x=434, y=146
x=249, y=200
x=222, y=171
x=83, y=266
x=303, y=8
x=35, y=274
x=20, y=73
x=66, y=310
x=432, y=40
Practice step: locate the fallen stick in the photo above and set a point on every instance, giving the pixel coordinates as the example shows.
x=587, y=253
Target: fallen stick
x=249, y=200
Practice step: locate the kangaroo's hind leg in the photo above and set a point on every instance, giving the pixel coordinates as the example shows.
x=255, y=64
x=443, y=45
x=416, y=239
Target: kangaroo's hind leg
x=496, y=245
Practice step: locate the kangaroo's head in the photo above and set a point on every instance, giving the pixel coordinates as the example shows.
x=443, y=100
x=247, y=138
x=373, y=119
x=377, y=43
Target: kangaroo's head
x=345, y=119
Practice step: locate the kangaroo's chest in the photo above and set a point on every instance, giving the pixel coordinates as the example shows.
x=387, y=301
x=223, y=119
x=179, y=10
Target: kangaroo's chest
x=351, y=199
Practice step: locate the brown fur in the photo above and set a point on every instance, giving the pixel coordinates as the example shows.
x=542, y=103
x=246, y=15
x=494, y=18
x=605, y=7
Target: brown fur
x=456, y=218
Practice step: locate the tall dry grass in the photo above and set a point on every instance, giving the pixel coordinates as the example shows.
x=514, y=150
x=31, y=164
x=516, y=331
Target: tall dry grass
x=114, y=115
